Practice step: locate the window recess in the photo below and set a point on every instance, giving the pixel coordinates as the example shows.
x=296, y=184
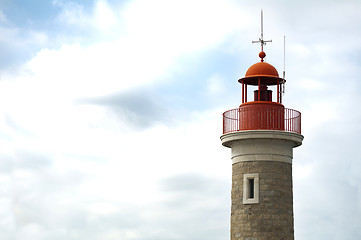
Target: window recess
x=250, y=188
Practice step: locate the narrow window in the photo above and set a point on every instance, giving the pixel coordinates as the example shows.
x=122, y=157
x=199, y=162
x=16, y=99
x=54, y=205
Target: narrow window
x=250, y=188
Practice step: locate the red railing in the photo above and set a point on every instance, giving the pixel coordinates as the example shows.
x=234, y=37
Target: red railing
x=282, y=119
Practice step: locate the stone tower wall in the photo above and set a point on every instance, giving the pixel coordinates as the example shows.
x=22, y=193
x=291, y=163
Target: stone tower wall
x=262, y=162
x=272, y=217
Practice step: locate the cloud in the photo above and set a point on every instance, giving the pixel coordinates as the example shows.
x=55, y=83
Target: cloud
x=192, y=199
x=177, y=25
x=138, y=107
x=105, y=18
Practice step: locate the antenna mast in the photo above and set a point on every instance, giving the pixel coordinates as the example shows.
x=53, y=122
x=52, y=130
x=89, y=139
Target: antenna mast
x=282, y=85
x=261, y=40
x=284, y=57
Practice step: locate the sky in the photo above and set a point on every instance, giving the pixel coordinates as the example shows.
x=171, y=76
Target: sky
x=111, y=113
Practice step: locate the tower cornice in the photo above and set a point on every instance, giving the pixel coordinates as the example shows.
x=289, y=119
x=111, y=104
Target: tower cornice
x=261, y=145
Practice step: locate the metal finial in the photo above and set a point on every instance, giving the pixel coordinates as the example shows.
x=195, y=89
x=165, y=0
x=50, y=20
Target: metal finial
x=260, y=40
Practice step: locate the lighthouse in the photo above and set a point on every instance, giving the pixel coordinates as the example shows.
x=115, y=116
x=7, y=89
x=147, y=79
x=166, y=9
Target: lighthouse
x=262, y=133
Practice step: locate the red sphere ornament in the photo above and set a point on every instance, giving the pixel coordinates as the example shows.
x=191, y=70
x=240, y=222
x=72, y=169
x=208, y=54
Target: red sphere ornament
x=262, y=55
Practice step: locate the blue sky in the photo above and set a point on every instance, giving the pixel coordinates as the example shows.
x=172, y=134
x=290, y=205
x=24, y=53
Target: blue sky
x=111, y=113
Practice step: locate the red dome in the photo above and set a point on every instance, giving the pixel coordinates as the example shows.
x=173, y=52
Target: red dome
x=262, y=69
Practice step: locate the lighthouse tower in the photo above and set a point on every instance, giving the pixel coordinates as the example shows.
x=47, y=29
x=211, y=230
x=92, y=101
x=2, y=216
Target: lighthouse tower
x=262, y=134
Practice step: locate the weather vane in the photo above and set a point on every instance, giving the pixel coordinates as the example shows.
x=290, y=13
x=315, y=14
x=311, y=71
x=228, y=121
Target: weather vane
x=260, y=40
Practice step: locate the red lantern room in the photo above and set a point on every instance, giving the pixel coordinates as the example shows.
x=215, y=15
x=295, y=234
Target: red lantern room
x=263, y=112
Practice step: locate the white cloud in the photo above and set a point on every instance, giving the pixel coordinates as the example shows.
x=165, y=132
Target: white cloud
x=181, y=26
x=52, y=79
x=105, y=18
x=103, y=208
